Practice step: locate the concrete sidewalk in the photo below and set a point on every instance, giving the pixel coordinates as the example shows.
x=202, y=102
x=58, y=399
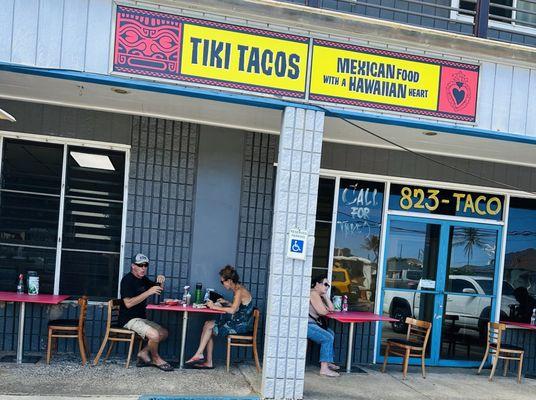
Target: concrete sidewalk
x=440, y=384
x=64, y=380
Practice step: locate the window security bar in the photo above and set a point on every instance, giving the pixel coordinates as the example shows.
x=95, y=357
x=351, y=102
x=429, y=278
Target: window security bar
x=508, y=20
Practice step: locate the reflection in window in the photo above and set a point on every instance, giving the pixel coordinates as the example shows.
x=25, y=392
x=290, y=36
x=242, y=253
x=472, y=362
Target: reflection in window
x=472, y=253
x=324, y=214
x=357, y=242
x=411, y=253
x=520, y=258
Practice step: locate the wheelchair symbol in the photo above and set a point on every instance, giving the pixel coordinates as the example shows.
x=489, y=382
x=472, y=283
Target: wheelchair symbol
x=297, y=246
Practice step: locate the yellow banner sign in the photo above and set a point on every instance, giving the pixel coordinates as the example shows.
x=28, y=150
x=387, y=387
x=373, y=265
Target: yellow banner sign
x=347, y=74
x=231, y=56
x=205, y=52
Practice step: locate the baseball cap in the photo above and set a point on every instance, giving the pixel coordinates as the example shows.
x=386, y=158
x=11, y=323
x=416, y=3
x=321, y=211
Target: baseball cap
x=140, y=259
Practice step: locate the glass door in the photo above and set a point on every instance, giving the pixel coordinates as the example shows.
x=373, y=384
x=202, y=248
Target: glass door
x=469, y=293
x=411, y=268
x=442, y=272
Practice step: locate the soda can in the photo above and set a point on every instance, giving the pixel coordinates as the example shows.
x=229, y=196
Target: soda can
x=33, y=283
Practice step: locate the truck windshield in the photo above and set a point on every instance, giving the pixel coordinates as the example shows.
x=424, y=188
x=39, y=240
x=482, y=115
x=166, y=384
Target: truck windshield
x=486, y=285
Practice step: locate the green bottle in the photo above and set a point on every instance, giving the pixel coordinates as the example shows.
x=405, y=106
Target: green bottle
x=198, y=295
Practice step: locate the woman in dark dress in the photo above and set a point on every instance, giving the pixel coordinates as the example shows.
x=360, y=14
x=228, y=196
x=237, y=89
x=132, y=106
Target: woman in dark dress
x=237, y=320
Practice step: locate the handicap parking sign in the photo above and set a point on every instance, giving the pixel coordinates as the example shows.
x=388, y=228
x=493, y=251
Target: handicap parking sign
x=297, y=244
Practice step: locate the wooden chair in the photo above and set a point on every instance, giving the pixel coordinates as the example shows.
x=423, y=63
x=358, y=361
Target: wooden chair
x=247, y=340
x=497, y=350
x=70, y=328
x=115, y=333
x=414, y=345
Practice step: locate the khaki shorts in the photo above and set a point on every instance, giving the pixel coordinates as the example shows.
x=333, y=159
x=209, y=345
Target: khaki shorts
x=141, y=326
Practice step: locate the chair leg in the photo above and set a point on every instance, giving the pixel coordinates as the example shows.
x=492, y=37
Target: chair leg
x=130, y=347
x=387, y=348
x=494, y=366
x=110, y=347
x=505, y=371
x=228, y=353
x=256, y=357
x=483, y=360
x=88, y=352
x=103, y=345
x=82, y=347
x=520, y=368
x=49, y=345
x=422, y=365
x=140, y=346
x=406, y=362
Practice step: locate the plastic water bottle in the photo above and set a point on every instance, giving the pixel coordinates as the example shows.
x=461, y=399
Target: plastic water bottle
x=207, y=295
x=344, y=303
x=20, y=285
x=533, y=318
x=186, y=296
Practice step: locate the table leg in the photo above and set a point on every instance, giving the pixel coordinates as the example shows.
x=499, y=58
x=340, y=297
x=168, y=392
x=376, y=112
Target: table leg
x=350, y=348
x=183, y=337
x=20, y=339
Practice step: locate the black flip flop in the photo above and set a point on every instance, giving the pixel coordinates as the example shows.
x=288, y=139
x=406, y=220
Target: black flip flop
x=140, y=363
x=163, y=367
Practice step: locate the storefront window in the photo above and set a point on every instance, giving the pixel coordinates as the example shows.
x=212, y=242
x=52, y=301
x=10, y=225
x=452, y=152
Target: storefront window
x=324, y=216
x=30, y=199
x=92, y=222
x=520, y=257
x=357, y=242
x=29, y=211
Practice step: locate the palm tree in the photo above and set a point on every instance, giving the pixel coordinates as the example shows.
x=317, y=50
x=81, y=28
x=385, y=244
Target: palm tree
x=372, y=243
x=469, y=238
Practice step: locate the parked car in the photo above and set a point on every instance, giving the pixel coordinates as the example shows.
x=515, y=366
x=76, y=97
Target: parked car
x=473, y=312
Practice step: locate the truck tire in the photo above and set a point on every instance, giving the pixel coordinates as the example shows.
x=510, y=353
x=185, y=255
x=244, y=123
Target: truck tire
x=400, y=312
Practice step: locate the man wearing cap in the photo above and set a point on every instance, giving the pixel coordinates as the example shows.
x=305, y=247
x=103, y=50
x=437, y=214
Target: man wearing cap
x=135, y=289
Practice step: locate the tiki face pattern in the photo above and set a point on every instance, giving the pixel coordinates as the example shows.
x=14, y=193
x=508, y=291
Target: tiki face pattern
x=147, y=43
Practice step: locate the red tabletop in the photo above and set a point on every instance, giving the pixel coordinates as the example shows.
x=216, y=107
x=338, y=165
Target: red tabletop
x=33, y=298
x=358, y=316
x=522, y=325
x=181, y=308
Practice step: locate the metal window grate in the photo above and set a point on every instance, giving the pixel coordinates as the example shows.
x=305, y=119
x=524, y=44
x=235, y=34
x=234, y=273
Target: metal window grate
x=512, y=21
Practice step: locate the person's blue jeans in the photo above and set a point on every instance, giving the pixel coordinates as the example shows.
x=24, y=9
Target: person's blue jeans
x=324, y=338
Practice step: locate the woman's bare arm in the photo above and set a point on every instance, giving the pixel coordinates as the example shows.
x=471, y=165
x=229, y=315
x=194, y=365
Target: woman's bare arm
x=318, y=304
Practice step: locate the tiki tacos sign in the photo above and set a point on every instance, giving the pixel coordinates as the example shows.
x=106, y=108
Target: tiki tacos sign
x=166, y=46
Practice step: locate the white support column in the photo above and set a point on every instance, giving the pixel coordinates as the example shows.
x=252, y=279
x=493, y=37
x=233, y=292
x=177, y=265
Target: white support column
x=295, y=200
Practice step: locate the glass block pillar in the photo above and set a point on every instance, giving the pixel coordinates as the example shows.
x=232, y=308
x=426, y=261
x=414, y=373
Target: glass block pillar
x=295, y=202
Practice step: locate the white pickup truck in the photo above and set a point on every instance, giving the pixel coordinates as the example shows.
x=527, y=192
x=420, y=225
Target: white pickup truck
x=470, y=312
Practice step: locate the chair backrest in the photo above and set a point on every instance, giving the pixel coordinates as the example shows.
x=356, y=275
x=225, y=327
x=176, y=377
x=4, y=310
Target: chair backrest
x=113, y=313
x=418, y=331
x=495, y=330
x=256, y=317
x=82, y=303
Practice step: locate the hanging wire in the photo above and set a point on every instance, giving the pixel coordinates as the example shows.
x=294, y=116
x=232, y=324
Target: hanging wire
x=426, y=157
